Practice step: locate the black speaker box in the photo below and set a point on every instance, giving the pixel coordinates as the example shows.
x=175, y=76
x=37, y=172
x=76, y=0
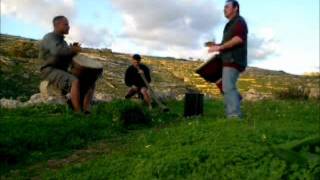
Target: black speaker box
x=193, y=104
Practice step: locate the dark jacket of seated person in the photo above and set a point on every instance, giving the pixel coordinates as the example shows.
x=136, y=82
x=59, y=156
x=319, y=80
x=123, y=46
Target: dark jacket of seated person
x=133, y=78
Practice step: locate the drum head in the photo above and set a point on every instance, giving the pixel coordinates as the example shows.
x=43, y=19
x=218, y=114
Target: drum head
x=87, y=62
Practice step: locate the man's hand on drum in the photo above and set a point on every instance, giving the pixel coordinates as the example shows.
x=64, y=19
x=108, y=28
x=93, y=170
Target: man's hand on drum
x=214, y=48
x=76, y=44
x=209, y=44
x=76, y=48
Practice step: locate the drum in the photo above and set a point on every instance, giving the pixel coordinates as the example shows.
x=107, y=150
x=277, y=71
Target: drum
x=86, y=69
x=211, y=70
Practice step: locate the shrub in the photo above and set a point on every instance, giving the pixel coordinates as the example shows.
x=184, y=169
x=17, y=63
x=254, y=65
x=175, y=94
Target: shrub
x=23, y=49
x=127, y=114
x=293, y=92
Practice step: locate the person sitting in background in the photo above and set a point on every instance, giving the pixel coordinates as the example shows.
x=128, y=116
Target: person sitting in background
x=133, y=79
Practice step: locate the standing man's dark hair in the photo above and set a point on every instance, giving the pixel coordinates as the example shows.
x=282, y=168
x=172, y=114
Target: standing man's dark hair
x=235, y=4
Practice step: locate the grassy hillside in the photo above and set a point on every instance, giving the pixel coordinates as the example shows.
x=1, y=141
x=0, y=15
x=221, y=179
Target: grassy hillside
x=69, y=146
x=19, y=72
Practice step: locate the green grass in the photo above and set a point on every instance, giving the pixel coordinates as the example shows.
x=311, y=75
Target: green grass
x=171, y=147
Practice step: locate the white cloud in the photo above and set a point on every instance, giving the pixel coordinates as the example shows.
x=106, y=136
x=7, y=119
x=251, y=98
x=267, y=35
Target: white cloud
x=38, y=12
x=158, y=27
x=262, y=44
x=90, y=37
x=169, y=26
x=179, y=28
x=41, y=12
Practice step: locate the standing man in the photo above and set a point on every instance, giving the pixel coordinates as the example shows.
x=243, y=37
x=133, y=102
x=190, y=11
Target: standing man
x=233, y=51
x=134, y=80
x=57, y=56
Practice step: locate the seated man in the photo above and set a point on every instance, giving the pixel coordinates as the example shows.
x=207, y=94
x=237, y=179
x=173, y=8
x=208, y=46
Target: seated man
x=134, y=80
x=57, y=56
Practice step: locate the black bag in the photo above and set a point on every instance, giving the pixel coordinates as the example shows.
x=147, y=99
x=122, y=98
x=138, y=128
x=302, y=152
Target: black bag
x=193, y=104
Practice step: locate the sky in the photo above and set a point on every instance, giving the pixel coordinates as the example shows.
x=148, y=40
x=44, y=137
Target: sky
x=283, y=35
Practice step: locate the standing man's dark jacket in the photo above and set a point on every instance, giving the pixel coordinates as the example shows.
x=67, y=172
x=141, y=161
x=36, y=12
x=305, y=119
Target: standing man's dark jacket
x=236, y=56
x=132, y=77
x=55, y=52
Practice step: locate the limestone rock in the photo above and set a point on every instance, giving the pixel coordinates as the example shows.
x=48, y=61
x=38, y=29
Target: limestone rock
x=180, y=97
x=314, y=93
x=166, y=96
x=101, y=97
x=56, y=100
x=36, y=99
x=47, y=90
x=9, y=103
x=39, y=99
x=253, y=95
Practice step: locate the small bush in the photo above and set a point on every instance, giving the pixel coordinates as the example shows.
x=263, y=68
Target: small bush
x=293, y=92
x=134, y=116
x=127, y=114
x=24, y=49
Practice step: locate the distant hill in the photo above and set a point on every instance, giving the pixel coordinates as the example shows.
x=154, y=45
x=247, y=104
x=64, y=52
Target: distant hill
x=19, y=73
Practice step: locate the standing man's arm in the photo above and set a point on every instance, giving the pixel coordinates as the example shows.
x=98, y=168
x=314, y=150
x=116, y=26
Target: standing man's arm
x=236, y=40
x=240, y=35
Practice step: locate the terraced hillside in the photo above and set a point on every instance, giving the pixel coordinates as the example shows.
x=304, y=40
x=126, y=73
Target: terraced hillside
x=19, y=72
x=276, y=139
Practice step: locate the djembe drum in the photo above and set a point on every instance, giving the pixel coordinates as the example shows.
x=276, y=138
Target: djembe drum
x=87, y=70
x=211, y=70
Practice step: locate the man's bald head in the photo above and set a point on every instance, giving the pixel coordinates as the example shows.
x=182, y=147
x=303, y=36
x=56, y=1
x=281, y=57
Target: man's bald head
x=61, y=25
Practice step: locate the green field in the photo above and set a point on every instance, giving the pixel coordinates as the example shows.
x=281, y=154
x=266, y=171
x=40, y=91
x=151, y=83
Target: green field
x=50, y=142
x=277, y=139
